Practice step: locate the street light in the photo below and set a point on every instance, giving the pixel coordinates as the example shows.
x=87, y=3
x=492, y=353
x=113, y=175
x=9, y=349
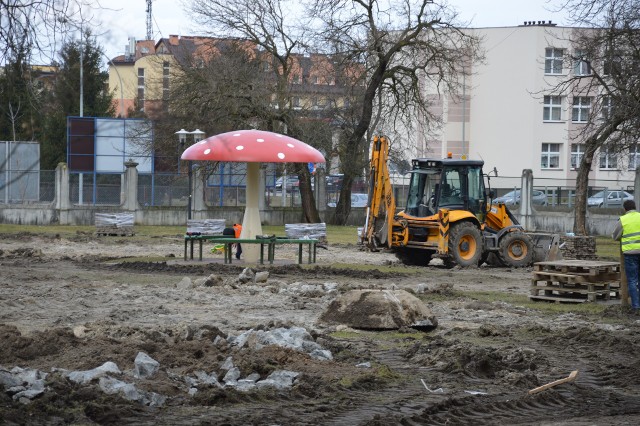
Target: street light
x=182, y=140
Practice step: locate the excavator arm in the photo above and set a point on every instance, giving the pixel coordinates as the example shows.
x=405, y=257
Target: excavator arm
x=382, y=204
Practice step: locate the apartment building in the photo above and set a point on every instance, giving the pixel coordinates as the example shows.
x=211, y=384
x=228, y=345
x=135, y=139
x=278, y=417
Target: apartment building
x=141, y=78
x=509, y=115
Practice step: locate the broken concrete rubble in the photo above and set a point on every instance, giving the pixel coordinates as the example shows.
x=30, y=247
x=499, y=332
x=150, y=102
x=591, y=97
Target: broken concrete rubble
x=83, y=377
x=130, y=392
x=296, y=338
x=145, y=366
x=23, y=384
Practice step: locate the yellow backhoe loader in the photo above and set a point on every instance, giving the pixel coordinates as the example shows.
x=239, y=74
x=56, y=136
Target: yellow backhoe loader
x=449, y=215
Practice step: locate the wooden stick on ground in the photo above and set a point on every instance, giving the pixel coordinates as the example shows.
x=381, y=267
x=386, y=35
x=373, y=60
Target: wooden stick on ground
x=568, y=379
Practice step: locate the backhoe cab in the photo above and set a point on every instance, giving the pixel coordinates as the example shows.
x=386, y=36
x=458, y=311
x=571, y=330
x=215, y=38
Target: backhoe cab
x=448, y=215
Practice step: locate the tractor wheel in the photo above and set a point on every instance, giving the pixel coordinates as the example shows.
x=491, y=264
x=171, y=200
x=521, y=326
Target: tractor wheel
x=516, y=249
x=465, y=244
x=414, y=256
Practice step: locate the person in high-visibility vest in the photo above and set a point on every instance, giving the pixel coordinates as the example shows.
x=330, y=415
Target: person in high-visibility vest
x=237, y=228
x=627, y=231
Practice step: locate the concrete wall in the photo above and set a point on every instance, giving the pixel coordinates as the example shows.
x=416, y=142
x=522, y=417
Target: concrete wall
x=47, y=214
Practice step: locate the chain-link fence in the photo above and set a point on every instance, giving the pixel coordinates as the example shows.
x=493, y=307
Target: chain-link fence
x=163, y=189
x=27, y=186
x=95, y=188
x=227, y=187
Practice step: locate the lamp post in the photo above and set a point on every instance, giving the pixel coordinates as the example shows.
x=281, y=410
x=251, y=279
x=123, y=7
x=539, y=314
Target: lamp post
x=182, y=140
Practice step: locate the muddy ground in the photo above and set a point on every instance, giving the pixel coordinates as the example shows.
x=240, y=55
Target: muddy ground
x=76, y=303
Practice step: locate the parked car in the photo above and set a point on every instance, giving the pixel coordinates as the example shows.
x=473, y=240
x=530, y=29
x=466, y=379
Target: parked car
x=292, y=182
x=614, y=199
x=357, y=200
x=334, y=182
x=511, y=198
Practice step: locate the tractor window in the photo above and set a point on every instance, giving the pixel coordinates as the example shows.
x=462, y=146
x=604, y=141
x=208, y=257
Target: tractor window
x=423, y=193
x=476, y=190
x=451, y=191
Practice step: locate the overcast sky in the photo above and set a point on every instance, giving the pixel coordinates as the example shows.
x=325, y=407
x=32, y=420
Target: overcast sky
x=129, y=19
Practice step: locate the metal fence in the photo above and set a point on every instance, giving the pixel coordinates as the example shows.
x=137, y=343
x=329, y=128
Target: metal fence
x=27, y=186
x=557, y=195
x=95, y=188
x=227, y=187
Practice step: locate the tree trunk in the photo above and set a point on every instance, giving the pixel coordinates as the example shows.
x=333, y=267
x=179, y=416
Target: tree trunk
x=343, y=208
x=582, y=186
x=594, y=142
x=307, y=198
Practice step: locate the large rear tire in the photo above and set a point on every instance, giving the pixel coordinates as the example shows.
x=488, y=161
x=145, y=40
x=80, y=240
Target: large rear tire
x=516, y=249
x=465, y=244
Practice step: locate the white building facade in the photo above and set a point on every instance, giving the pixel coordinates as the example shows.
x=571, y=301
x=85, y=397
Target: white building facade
x=509, y=116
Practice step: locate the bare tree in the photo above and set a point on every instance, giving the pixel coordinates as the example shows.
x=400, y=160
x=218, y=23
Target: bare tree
x=267, y=25
x=608, y=48
x=403, y=46
x=39, y=24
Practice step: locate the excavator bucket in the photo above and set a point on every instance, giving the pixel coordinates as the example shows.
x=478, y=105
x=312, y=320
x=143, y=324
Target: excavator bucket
x=546, y=246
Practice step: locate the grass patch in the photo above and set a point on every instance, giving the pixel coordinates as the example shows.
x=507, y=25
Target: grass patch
x=541, y=306
x=372, y=378
x=375, y=335
x=335, y=234
x=608, y=249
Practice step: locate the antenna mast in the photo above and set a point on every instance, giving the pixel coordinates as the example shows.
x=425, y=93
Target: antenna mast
x=149, y=21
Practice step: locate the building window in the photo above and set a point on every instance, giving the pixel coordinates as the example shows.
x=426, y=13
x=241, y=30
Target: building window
x=634, y=157
x=608, y=159
x=316, y=80
x=141, y=89
x=553, y=60
x=607, y=107
x=580, y=64
x=165, y=80
x=296, y=102
x=577, y=152
x=550, y=158
x=581, y=109
x=612, y=63
x=552, y=108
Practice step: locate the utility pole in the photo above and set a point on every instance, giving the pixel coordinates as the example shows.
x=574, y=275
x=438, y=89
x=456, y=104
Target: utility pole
x=149, y=21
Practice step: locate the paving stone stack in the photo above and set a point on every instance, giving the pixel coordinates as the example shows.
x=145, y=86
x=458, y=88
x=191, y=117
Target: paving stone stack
x=578, y=247
x=119, y=224
x=314, y=231
x=205, y=226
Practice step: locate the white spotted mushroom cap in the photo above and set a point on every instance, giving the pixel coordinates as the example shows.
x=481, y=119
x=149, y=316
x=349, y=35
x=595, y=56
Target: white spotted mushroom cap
x=253, y=146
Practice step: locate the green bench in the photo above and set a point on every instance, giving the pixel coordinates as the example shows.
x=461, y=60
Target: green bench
x=310, y=242
x=270, y=243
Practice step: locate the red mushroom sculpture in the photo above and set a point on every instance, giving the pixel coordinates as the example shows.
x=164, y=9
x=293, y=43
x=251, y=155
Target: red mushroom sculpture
x=253, y=147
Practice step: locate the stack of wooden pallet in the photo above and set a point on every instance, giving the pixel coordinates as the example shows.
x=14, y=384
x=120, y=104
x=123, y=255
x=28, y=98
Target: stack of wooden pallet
x=575, y=280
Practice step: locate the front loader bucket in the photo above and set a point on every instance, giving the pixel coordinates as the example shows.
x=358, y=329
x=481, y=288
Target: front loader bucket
x=546, y=246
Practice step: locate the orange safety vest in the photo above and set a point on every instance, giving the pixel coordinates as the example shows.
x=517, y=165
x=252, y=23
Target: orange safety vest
x=237, y=228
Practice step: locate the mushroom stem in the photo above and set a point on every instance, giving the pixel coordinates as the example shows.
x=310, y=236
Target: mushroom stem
x=251, y=224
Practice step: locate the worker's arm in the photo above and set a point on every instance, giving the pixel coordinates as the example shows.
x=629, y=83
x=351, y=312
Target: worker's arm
x=617, y=231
